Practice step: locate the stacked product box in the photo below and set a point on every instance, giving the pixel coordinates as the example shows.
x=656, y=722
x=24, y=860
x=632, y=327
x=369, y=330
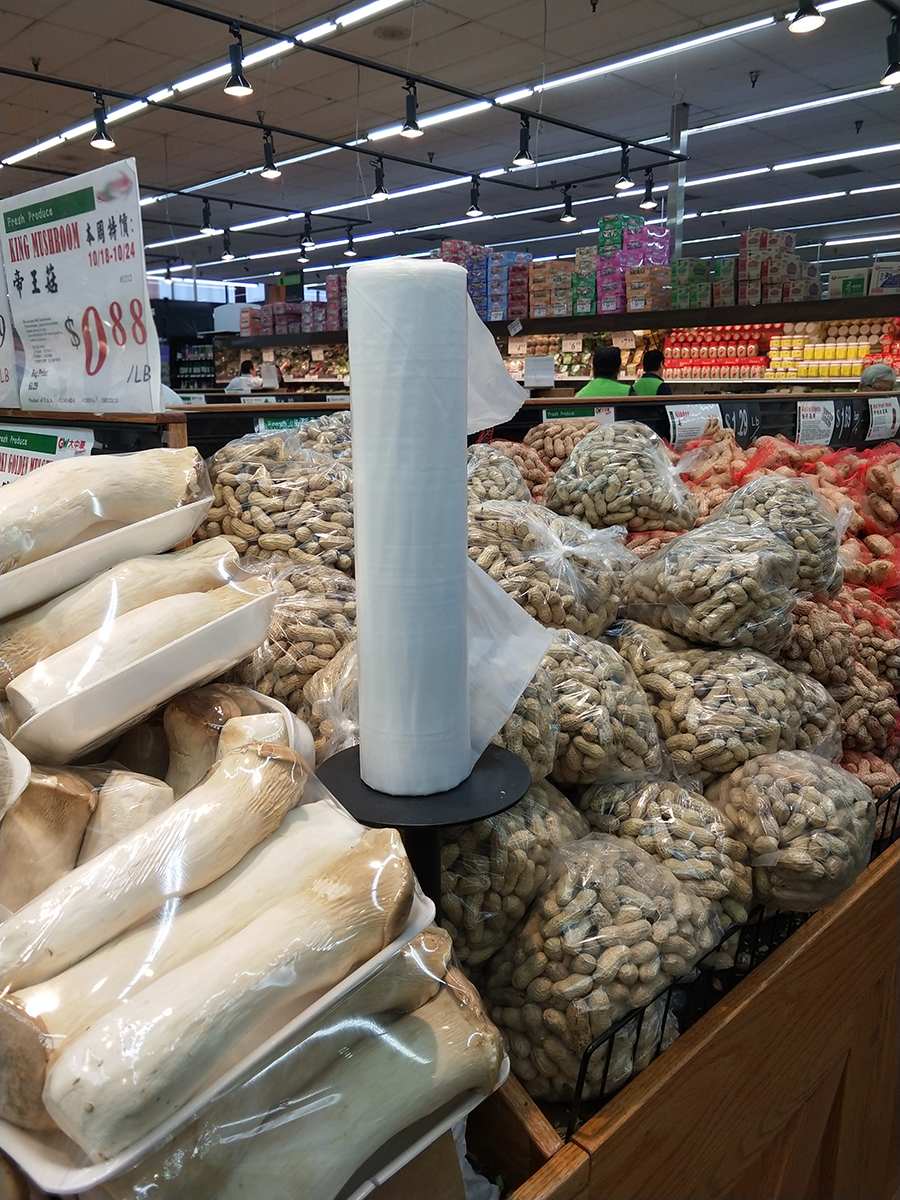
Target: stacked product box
x=312, y=317
x=724, y=282
x=508, y=285
x=250, y=322
x=719, y=352
x=584, y=281
x=477, y=261
x=881, y=280
x=647, y=288
x=769, y=272
x=691, y=283
x=613, y=260
x=336, y=301
x=550, y=288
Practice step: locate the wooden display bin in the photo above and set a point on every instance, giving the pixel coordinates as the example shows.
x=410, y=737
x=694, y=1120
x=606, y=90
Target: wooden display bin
x=786, y=1090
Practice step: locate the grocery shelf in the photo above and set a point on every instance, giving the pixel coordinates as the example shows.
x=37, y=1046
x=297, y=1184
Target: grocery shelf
x=333, y=337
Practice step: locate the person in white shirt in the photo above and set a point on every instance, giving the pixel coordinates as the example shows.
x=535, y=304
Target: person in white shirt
x=247, y=380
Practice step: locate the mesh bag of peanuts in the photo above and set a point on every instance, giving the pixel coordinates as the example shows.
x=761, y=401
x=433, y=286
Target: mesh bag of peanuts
x=683, y=832
x=563, y=575
x=555, y=440
x=299, y=507
x=493, y=869
x=724, y=584
x=314, y=618
x=329, y=434
x=531, y=466
x=621, y=474
x=808, y=824
x=492, y=475
x=800, y=516
x=609, y=930
x=606, y=728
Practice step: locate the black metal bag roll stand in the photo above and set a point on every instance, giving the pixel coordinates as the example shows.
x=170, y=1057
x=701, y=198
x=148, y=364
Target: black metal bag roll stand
x=498, y=780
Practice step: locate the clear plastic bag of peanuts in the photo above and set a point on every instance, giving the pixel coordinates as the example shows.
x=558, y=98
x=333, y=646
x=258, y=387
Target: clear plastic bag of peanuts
x=803, y=518
x=681, y=830
x=724, y=584
x=492, y=870
x=808, y=824
x=492, y=475
x=608, y=932
x=329, y=434
x=606, y=728
x=621, y=474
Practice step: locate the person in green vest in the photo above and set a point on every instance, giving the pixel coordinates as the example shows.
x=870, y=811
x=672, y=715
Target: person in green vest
x=650, y=382
x=607, y=363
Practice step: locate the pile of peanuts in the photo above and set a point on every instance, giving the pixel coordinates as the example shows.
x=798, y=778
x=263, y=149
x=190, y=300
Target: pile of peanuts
x=681, y=831
x=620, y=474
x=331, y=704
x=329, y=434
x=878, y=776
x=868, y=707
x=807, y=823
x=793, y=510
x=313, y=619
x=605, y=935
x=710, y=463
x=876, y=626
x=254, y=450
x=724, y=584
x=606, y=729
x=882, y=504
x=646, y=544
x=531, y=466
x=492, y=475
x=493, y=869
x=531, y=730
x=821, y=643
x=555, y=440
x=517, y=545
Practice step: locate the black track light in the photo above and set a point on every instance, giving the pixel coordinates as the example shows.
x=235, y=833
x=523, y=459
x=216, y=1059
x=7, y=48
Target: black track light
x=410, y=125
x=227, y=252
x=806, y=19
x=270, y=170
x=302, y=257
x=207, y=226
x=102, y=139
x=474, y=209
x=648, y=202
x=567, y=215
x=624, y=182
x=379, y=192
x=307, y=240
x=523, y=158
x=891, y=77
x=349, y=249
x=237, y=85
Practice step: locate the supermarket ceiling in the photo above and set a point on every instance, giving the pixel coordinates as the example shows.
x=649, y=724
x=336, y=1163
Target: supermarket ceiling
x=726, y=62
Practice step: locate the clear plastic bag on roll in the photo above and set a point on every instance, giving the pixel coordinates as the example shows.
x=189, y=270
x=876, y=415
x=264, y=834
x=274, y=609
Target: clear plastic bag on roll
x=609, y=931
x=621, y=474
x=724, y=584
x=807, y=823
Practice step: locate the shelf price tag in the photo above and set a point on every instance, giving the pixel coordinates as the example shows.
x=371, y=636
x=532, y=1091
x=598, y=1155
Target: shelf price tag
x=573, y=344
x=515, y=327
x=687, y=421
x=815, y=422
x=73, y=254
x=24, y=448
x=539, y=371
x=744, y=417
x=624, y=340
x=843, y=421
x=517, y=347
x=605, y=414
x=884, y=418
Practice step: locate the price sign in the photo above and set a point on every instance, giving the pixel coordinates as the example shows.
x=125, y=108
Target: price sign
x=843, y=421
x=9, y=384
x=317, y=354
x=517, y=347
x=884, y=418
x=268, y=355
x=624, y=340
x=605, y=414
x=189, y=399
x=687, y=421
x=539, y=371
x=264, y=424
x=73, y=253
x=249, y=398
x=25, y=448
x=744, y=417
x=573, y=344
x=515, y=327
x=815, y=422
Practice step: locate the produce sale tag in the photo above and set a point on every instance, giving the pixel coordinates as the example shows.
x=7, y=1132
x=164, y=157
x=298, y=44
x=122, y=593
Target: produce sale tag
x=605, y=414
x=815, y=422
x=884, y=418
x=73, y=252
x=25, y=448
x=687, y=421
x=9, y=387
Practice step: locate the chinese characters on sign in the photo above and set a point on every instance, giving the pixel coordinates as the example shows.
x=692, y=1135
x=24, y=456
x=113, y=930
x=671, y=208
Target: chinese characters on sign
x=23, y=449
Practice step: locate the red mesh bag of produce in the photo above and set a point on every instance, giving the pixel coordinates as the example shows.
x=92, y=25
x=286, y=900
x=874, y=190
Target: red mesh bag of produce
x=876, y=489
x=778, y=455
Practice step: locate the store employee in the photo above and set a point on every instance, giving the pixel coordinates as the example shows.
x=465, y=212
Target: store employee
x=607, y=363
x=650, y=382
x=248, y=379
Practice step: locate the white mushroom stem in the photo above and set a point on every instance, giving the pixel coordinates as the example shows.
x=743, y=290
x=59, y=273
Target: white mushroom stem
x=125, y=803
x=132, y=1069
x=193, y=723
x=263, y=727
x=186, y=847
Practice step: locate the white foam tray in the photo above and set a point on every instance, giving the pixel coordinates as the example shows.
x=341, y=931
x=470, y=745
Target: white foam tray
x=58, y=1165
x=84, y=721
x=48, y=577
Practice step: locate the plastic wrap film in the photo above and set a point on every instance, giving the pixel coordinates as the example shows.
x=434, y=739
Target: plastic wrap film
x=77, y=499
x=607, y=933
x=417, y=1027
x=15, y=770
x=328, y=434
x=491, y=870
x=800, y=515
x=192, y=724
x=724, y=584
x=492, y=475
x=331, y=704
x=408, y=359
x=314, y=618
x=84, y=611
x=606, y=728
x=683, y=832
x=621, y=474
x=808, y=824
x=562, y=573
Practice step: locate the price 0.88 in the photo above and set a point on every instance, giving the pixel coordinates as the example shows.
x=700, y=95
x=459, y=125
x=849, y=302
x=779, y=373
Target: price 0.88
x=121, y=328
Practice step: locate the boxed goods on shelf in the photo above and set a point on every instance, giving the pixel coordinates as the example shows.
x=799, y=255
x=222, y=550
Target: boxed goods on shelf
x=718, y=352
x=885, y=279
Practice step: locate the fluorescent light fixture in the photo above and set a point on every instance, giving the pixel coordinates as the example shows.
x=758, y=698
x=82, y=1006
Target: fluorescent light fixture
x=267, y=52
x=23, y=154
x=511, y=97
x=209, y=76
x=730, y=175
x=786, y=111
x=831, y=5
x=879, y=187
x=355, y=15
x=827, y=158
x=843, y=221
x=127, y=110
x=806, y=19
x=317, y=32
x=720, y=237
x=883, y=237
x=721, y=212
x=158, y=97
x=179, y=241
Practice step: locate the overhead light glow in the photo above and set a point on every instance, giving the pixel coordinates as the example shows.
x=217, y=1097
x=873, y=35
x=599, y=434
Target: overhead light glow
x=883, y=237
x=721, y=212
x=787, y=110
x=827, y=158
x=806, y=19
x=355, y=15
